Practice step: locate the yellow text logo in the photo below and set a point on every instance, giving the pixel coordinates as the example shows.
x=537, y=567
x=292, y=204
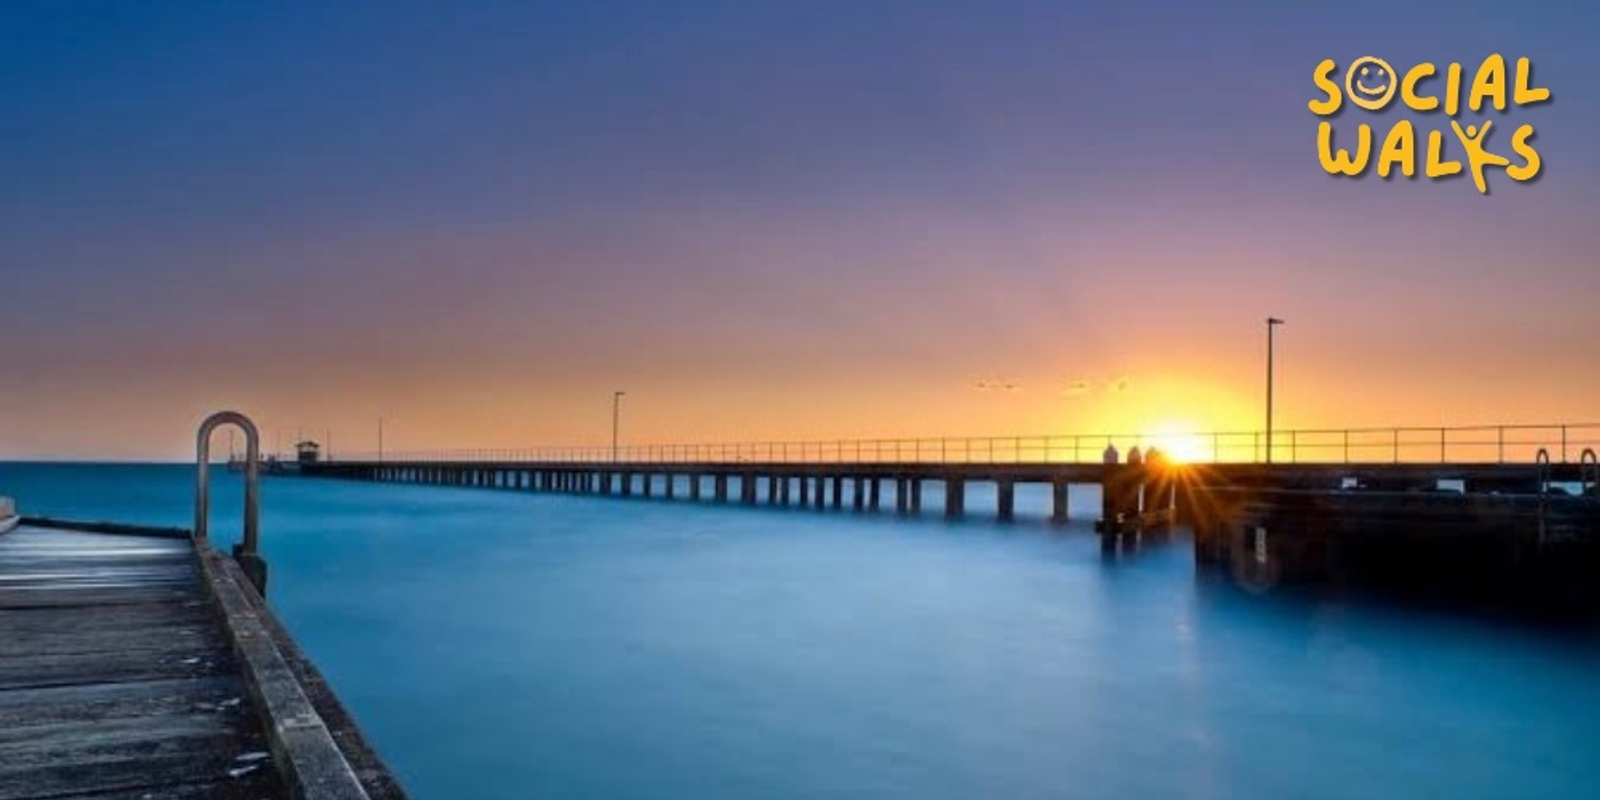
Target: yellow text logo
x=1371, y=84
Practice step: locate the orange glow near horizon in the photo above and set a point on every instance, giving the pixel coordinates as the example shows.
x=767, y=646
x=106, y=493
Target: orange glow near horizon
x=1182, y=443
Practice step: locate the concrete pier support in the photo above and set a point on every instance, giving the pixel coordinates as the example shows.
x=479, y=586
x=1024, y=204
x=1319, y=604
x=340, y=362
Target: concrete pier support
x=838, y=491
x=772, y=490
x=747, y=489
x=649, y=484
x=784, y=486
x=858, y=495
x=916, y=495
x=719, y=488
x=902, y=496
x=1060, y=502
x=875, y=493
x=955, y=498
x=627, y=484
x=820, y=499
x=671, y=489
x=805, y=491
x=1006, y=500
x=694, y=487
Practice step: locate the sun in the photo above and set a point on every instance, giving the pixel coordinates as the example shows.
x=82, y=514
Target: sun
x=1180, y=442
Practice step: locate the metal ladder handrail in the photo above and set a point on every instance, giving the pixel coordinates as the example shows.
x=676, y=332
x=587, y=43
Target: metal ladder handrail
x=252, y=478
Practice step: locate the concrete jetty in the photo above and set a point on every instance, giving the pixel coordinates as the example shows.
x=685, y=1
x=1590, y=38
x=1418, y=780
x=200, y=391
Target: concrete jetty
x=136, y=664
x=139, y=662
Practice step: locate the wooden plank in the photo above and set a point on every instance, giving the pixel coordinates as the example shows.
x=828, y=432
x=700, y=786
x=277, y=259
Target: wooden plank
x=212, y=694
x=153, y=617
x=257, y=786
x=26, y=670
x=110, y=528
x=147, y=640
x=100, y=596
x=148, y=751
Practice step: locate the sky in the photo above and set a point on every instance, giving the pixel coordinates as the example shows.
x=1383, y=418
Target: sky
x=767, y=221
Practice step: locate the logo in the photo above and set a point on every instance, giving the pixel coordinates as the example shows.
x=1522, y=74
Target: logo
x=1371, y=84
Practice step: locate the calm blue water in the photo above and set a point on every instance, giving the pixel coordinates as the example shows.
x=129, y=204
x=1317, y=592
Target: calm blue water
x=501, y=645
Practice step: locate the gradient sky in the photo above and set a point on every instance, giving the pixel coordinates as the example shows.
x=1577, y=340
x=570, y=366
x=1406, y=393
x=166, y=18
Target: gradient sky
x=826, y=220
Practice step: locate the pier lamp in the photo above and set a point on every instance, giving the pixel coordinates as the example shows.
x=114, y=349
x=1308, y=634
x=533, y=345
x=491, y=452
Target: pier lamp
x=1272, y=322
x=616, y=416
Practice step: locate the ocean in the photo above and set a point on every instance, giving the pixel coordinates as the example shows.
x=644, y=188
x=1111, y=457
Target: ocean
x=497, y=644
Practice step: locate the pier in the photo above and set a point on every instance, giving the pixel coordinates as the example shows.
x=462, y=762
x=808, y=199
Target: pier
x=1496, y=506
x=139, y=662
x=897, y=475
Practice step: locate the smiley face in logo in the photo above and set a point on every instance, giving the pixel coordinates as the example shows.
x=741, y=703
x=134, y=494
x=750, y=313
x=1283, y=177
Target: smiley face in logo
x=1370, y=82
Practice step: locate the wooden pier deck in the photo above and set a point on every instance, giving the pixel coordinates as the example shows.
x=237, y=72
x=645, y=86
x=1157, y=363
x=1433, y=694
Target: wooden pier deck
x=143, y=666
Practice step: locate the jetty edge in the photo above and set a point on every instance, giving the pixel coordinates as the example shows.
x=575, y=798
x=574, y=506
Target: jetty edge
x=141, y=662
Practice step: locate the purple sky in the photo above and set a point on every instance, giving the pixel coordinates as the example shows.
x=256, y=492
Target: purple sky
x=832, y=220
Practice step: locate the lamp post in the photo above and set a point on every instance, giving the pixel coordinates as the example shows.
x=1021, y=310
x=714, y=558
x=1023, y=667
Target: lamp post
x=1272, y=322
x=616, y=416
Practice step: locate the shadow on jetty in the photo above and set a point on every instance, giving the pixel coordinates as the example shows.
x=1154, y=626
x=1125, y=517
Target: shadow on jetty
x=1527, y=556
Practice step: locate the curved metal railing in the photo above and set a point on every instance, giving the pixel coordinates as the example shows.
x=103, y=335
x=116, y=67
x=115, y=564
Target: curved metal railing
x=252, y=477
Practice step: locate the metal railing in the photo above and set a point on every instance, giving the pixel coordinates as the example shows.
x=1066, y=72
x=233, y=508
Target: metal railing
x=247, y=553
x=1481, y=444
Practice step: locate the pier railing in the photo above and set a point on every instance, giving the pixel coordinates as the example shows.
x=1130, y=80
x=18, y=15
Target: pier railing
x=1472, y=444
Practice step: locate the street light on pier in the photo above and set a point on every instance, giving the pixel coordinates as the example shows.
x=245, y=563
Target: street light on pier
x=616, y=417
x=1272, y=322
